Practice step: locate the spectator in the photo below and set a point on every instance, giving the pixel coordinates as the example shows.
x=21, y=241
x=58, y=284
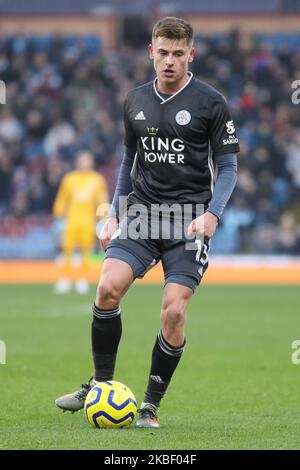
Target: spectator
x=288, y=235
x=64, y=96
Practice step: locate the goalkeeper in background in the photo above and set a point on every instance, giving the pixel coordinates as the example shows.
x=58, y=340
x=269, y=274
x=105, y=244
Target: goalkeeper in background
x=79, y=195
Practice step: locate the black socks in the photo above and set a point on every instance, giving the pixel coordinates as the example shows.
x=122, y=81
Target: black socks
x=106, y=335
x=165, y=359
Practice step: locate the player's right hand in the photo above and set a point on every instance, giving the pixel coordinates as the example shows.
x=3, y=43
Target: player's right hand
x=107, y=231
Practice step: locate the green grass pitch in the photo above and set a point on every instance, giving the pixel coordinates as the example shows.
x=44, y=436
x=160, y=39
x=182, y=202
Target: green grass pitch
x=235, y=388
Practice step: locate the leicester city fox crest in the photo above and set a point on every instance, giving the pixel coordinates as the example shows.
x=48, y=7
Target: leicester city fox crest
x=183, y=117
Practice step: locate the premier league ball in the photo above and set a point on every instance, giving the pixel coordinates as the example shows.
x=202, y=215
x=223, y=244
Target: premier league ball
x=110, y=404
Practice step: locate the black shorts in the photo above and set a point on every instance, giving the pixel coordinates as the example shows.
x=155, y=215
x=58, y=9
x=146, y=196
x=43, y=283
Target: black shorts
x=184, y=260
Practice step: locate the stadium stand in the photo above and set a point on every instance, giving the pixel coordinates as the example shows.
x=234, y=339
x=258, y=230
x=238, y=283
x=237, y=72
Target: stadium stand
x=145, y=7
x=65, y=93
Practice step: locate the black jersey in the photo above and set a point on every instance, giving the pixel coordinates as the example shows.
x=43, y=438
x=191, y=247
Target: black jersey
x=176, y=141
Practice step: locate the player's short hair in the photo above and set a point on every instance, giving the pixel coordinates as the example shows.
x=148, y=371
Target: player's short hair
x=171, y=27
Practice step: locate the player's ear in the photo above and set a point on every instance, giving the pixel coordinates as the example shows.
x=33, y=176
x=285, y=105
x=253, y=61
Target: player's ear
x=150, y=51
x=191, y=54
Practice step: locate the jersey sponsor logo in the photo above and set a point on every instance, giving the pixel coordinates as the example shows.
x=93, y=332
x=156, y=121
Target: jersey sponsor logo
x=172, y=158
x=183, y=117
x=231, y=140
x=140, y=116
x=230, y=127
x=152, y=130
x=163, y=150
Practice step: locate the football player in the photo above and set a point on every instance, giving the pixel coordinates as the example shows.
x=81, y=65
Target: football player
x=178, y=132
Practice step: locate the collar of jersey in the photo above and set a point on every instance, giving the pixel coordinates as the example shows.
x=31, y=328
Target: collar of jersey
x=175, y=94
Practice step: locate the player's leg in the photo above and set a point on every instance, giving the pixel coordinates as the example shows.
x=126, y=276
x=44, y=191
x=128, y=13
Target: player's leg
x=183, y=269
x=116, y=277
x=86, y=244
x=125, y=260
x=167, y=350
x=107, y=327
x=68, y=245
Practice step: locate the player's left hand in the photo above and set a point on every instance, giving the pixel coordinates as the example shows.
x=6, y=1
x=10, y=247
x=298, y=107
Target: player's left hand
x=203, y=226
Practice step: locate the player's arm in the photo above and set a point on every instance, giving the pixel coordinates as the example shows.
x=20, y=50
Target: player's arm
x=124, y=185
x=61, y=199
x=206, y=224
x=123, y=188
x=60, y=206
x=225, y=146
x=225, y=184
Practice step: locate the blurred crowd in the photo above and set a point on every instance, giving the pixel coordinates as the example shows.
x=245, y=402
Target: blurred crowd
x=65, y=95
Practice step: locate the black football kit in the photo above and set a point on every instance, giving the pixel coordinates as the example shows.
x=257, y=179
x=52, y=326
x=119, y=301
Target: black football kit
x=174, y=142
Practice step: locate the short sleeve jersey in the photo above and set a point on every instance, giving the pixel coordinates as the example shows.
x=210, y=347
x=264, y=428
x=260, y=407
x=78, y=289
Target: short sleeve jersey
x=176, y=141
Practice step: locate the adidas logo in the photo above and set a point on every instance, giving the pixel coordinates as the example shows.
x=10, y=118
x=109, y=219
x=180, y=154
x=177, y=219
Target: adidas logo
x=140, y=116
x=157, y=379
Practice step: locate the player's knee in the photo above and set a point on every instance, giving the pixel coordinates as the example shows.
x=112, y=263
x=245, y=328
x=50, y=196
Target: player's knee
x=108, y=291
x=173, y=314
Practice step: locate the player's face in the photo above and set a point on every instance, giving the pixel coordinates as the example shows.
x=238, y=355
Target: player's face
x=84, y=162
x=171, y=58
